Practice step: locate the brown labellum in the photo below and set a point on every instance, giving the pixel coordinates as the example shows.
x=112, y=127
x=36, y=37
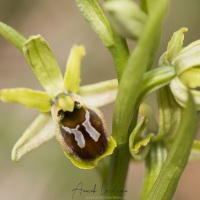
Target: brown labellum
x=83, y=133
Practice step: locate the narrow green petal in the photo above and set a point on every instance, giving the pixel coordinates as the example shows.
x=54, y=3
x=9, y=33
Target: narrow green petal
x=73, y=69
x=39, y=132
x=178, y=155
x=42, y=61
x=12, y=36
x=27, y=97
x=99, y=94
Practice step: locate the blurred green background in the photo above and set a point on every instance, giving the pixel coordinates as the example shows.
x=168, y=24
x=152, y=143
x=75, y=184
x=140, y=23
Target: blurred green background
x=45, y=173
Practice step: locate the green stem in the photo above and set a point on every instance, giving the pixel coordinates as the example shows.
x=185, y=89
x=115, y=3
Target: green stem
x=12, y=36
x=119, y=166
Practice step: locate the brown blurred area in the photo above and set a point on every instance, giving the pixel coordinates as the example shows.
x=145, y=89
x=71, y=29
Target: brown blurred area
x=45, y=173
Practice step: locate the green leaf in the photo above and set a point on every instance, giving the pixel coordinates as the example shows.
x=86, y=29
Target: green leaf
x=41, y=59
x=93, y=13
x=40, y=131
x=12, y=36
x=138, y=145
x=28, y=98
x=105, y=92
x=73, y=72
x=177, y=157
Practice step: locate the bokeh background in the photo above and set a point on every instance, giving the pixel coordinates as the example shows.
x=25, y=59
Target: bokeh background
x=45, y=173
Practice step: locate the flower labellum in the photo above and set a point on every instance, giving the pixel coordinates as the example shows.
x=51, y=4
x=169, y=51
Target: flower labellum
x=82, y=133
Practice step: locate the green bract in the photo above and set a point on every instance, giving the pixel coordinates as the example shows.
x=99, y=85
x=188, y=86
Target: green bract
x=59, y=103
x=138, y=142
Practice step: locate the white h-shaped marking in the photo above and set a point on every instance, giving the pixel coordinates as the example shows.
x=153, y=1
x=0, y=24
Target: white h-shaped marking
x=94, y=134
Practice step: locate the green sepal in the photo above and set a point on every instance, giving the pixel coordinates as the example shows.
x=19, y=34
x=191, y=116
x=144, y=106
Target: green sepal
x=138, y=144
x=93, y=13
x=27, y=97
x=73, y=71
x=105, y=92
x=174, y=47
x=41, y=59
x=92, y=163
x=177, y=158
x=40, y=131
x=126, y=17
x=12, y=36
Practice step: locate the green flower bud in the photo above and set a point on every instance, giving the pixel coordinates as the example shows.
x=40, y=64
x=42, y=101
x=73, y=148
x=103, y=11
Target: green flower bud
x=126, y=17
